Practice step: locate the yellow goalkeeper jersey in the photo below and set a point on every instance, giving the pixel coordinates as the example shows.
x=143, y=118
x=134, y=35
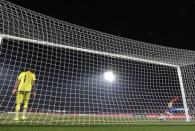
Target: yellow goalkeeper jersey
x=26, y=79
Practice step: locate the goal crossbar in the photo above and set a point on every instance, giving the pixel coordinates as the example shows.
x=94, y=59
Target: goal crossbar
x=2, y=36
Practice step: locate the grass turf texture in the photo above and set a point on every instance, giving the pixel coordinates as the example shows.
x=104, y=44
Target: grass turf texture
x=98, y=128
x=56, y=122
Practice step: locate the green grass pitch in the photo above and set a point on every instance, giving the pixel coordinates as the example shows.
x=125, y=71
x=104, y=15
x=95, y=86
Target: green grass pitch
x=49, y=122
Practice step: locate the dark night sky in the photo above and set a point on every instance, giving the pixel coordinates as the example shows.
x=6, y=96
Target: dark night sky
x=163, y=22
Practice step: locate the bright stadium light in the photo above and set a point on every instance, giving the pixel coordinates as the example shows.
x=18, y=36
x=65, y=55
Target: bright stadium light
x=109, y=76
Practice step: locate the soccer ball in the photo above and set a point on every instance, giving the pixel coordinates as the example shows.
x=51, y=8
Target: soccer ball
x=162, y=118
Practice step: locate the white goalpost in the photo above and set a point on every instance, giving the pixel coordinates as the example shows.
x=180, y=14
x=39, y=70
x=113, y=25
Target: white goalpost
x=183, y=94
x=87, y=77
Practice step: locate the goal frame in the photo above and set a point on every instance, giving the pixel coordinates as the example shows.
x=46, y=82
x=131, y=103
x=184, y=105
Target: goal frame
x=185, y=106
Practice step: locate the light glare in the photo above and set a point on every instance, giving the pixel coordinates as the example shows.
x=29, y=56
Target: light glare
x=109, y=76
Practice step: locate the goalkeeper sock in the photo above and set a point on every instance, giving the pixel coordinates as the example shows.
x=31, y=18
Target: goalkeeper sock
x=24, y=113
x=16, y=114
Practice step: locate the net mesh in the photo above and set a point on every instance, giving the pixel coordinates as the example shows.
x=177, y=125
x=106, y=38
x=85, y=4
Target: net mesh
x=70, y=63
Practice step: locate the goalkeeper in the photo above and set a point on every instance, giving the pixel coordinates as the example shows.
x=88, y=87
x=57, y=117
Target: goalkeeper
x=24, y=85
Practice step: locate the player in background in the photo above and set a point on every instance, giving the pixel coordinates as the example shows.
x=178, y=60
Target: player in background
x=23, y=87
x=170, y=104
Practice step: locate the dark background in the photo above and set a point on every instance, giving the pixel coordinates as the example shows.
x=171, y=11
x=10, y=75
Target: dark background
x=73, y=81
x=162, y=22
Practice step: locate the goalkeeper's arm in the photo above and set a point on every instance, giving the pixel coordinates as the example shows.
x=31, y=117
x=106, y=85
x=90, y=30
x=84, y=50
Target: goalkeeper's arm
x=33, y=88
x=15, y=87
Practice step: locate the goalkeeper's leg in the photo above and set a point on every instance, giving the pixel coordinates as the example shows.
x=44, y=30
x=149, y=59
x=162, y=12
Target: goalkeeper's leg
x=26, y=99
x=19, y=98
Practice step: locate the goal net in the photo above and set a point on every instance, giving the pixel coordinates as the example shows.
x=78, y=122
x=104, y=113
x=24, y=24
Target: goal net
x=87, y=77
